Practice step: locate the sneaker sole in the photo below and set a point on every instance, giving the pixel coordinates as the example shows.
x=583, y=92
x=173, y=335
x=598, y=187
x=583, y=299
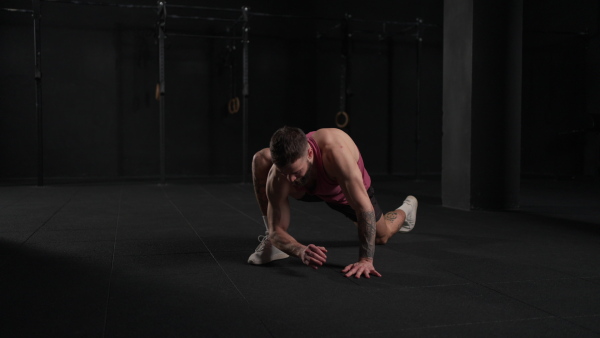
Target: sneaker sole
x=273, y=258
x=415, y=205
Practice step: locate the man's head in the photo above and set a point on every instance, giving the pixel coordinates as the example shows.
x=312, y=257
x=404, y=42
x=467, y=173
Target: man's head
x=287, y=145
x=291, y=155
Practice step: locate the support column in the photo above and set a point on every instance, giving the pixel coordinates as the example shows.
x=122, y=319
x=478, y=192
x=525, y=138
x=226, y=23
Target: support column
x=246, y=164
x=162, y=16
x=37, y=47
x=482, y=104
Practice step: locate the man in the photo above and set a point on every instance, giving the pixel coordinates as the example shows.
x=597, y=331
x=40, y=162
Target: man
x=323, y=165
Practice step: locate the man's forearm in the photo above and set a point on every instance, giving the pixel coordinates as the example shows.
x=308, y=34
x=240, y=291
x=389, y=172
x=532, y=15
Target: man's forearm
x=366, y=234
x=286, y=243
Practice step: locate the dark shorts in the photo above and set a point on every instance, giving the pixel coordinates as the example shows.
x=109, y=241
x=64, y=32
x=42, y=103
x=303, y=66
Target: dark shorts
x=345, y=208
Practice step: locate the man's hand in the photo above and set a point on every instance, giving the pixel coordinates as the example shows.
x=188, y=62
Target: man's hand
x=313, y=256
x=364, y=266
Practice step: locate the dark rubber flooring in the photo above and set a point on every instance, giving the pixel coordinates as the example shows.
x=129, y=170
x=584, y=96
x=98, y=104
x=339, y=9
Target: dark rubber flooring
x=144, y=260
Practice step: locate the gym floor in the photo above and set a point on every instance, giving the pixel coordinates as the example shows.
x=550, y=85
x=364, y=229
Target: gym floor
x=143, y=260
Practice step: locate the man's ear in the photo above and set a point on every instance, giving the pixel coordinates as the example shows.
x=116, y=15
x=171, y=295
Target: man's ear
x=310, y=153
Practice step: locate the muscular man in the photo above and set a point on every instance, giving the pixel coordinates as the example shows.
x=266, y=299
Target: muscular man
x=322, y=165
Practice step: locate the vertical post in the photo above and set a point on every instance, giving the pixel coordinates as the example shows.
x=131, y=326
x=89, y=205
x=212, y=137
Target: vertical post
x=245, y=94
x=345, y=69
x=162, y=15
x=418, y=105
x=482, y=76
x=390, y=105
x=37, y=48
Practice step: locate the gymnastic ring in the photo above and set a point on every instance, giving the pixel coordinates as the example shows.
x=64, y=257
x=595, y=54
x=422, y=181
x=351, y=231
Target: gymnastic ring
x=346, y=119
x=234, y=105
x=157, y=92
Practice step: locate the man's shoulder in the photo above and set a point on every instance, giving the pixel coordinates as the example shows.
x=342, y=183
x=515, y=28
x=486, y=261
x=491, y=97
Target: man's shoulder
x=329, y=132
x=326, y=137
x=337, y=149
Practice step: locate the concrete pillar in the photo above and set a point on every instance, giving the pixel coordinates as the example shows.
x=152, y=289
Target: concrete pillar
x=482, y=104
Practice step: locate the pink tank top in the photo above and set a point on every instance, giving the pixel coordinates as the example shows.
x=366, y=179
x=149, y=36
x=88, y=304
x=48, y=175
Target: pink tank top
x=325, y=188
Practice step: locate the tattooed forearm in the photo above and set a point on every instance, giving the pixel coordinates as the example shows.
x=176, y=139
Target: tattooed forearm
x=366, y=233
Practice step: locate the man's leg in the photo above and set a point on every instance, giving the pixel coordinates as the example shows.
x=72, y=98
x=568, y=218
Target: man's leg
x=388, y=225
x=402, y=219
x=261, y=164
x=265, y=252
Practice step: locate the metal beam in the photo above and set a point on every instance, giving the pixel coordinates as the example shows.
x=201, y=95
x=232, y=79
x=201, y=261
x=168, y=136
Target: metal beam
x=245, y=94
x=162, y=14
x=38, y=89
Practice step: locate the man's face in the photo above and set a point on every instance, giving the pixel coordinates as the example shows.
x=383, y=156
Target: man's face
x=300, y=173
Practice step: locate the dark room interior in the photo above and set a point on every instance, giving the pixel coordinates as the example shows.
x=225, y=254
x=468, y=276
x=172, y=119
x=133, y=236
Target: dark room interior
x=128, y=134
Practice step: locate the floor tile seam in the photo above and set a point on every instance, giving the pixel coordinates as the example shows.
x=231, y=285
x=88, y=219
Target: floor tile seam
x=138, y=227
x=570, y=250
x=75, y=229
x=187, y=221
x=431, y=286
x=503, y=294
x=240, y=293
x=583, y=316
x=164, y=254
x=485, y=322
x=239, y=186
x=592, y=279
x=220, y=201
x=571, y=274
x=245, y=252
x=164, y=241
x=37, y=243
x=571, y=319
x=154, y=240
x=231, y=206
x=539, y=280
x=125, y=275
x=160, y=254
x=51, y=216
x=508, y=256
x=112, y=263
x=531, y=259
x=104, y=231
x=565, y=318
x=19, y=200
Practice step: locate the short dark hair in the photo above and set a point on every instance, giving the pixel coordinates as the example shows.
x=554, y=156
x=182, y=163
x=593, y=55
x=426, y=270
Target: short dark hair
x=287, y=145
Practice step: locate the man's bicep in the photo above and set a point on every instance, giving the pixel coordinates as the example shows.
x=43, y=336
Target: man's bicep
x=356, y=194
x=350, y=179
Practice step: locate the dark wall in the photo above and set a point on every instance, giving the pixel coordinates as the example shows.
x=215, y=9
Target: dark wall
x=561, y=82
x=17, y=111
x=496, y=104
x=383, y=84
x=100, y=69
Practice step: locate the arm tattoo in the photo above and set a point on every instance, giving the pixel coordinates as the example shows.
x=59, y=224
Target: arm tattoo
x=391, y=217
x=366, y=233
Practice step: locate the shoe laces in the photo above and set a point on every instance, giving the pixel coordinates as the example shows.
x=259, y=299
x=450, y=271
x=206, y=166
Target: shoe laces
x=263, y=240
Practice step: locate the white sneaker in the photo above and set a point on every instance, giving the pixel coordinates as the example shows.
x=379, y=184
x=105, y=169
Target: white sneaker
x=409, y=207
x=265, y=252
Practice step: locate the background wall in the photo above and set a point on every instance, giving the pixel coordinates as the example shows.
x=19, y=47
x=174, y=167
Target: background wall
x=100, y=68
x=561, y=87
